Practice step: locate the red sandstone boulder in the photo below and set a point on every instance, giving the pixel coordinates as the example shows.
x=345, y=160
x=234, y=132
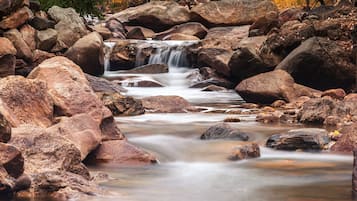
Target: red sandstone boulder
x=16, y=19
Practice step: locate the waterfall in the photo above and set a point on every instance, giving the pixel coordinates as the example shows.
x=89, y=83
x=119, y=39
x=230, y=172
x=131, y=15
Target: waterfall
x=108, y=48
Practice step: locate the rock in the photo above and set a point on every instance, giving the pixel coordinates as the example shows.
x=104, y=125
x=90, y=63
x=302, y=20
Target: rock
x=334, y=93
x=229, y=12
x=264, y=24
x=232, y=119
x=278, y=45
x=316, y=110
x=120, y=152
x=348, y=141
x=23, y=50
x=290, y=14
x=271, y=86
x=156, y=15
x=213, y=88
x=225, y=37
x=278, y=103
x=149, y=69
x=28, y=34
x=103, y=85
x=116, y=27
x=305, y=139
x=16, y=19
x=137, y=32
x=223, y=131
x=102, y=30
x=7, y=57
x=46, y=39
x=191, y=28
x=88, y=53
x=38, y=57
x=206, y=76
x=70, y=27
x=5, y=129
x=245, y=63
x=72, y=94
x=41, y=23
x=245, y=152
x=269, y=117
x=22, y=183
x=122, y=105
x=179, y=36
x=8, y=6
x=25, y=101
x=165, y=104
x=215, y=58
x=11, y=160
x=311, y=65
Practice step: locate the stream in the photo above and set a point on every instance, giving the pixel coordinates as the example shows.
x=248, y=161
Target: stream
x=191, y=169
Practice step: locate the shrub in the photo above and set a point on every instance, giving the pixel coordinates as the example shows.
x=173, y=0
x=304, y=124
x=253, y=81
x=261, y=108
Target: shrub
x=81, y=6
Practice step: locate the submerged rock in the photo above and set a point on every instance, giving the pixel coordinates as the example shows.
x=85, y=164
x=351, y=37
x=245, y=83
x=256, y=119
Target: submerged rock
x=223, y=131
x=245, y=152
x=305, y=139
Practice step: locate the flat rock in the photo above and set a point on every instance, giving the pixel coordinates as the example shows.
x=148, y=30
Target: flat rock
x=165, y=104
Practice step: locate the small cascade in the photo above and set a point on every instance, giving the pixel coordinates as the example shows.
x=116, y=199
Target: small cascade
x=173, y=56
x=107, y=51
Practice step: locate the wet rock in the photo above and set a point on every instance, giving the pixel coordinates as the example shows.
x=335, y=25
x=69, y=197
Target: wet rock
x=334, y=93
x=213, y=88
x=28, y=34
x=116, y=27
x=191, y=28
x=206, y=76
x=25, y=101
x=120, y=152
x=165, y=104
x=137, y=32
x=311, y=65
x=23, y=50
x=245, y=152
x=70, y=27
x=264, y=24
x=46, y=39
x=269, y=117
x=122, y=105
x=232, y=119
x=7, y=57
x=232, y=12
x=72, y=94
x=271, y=86
x=223, y=131
x=156, y=15
x=88, y=53
x=348, y=140
x=11, y=160
x=149, y=69
x=305, y=139
x=103, y=85
x=215, y=58
x=139, y=82
x=179, y=36
x=16, y=19
x=225, y=37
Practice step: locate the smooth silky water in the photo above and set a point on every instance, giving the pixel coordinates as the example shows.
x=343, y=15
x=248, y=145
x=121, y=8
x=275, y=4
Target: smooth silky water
x=194, y=170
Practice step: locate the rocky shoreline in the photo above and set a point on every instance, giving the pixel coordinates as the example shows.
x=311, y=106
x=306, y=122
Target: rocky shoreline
x=57, y=113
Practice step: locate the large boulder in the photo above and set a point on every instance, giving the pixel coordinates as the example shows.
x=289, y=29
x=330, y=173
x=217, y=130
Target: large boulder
x=156, y=15
x=70, y=26
x=231, y=12
x=23, y=50
x=190, y=28
x=16, y=19
x=116, y=27
x=120, y=152
x=88, y=53
x=271, y=86
x=223, y=131
x=348, y=141
x=179, y=36
x=7, y=57
x=320, y=63
x=72, y=94
x=215, y=58
x=166, y=104
x=138, y=32
x=25, y=101
x=305, y=139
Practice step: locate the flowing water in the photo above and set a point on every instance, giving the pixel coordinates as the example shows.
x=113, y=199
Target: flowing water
x=194, y=170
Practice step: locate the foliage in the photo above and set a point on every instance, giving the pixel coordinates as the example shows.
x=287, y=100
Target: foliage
x=81, y=6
